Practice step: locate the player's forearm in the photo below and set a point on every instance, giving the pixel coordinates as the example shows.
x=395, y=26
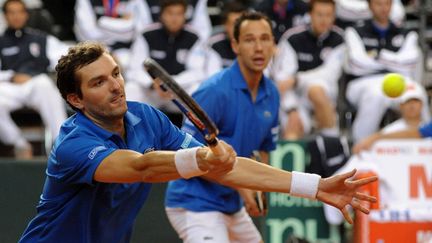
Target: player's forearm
x=163, y=166
x=126, y=166
x=253, y=175
x=157, y=166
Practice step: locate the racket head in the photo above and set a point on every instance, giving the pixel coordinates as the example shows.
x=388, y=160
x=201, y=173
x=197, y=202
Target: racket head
x=190, y=108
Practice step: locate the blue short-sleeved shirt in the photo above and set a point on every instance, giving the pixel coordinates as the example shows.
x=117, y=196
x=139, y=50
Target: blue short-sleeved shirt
x=426, y=130
x=243, y=123
x=75, y=208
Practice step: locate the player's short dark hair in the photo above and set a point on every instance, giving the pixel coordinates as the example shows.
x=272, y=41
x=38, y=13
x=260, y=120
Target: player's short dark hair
x=77, y=57
x=7, y=2
x=249, y=15
x=232, y=7
x=313, y=2
x=166, y=3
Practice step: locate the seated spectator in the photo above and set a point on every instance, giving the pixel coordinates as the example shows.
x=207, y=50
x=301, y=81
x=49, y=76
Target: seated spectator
x=411, y=106
x=351, y=12
x=284, y=14
x=196, y=15
x=219, y=53
x=30, y=4
x=26, y=57
x=114, y=23
x=412, y=123
x=374, y=49
x=177, y=48
x=307, y=68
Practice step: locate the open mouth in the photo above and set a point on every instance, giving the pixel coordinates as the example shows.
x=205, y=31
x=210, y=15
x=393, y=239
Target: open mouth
x=258, y=61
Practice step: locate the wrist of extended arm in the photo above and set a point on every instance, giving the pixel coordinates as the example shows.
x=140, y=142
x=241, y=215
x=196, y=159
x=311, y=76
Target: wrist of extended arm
x=186, y=163
x=304, y=184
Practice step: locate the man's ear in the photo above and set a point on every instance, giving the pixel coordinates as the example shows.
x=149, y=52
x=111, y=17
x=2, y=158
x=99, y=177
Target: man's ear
x=74, y=100
x=234, y=46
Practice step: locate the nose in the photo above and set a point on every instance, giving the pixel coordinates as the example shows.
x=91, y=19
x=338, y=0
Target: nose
x=258, y=45
x=115, y=83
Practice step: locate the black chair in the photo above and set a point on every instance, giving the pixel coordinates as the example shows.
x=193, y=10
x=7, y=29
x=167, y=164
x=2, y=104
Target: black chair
x=33, y=129
x=42, y=20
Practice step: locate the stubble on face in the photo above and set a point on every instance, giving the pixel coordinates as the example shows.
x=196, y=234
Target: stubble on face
x=102, y=86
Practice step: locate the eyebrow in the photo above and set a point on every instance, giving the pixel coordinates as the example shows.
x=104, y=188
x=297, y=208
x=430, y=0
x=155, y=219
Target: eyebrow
x=258, y=35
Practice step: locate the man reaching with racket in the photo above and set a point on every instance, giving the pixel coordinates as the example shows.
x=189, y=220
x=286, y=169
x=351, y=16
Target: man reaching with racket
x=244, y=105
x=101, y=167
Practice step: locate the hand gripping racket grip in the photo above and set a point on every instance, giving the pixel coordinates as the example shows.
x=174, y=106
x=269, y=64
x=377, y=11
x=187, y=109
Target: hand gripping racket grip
x=216, y=148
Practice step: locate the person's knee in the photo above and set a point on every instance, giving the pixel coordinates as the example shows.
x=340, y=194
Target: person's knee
x=318, y=95
x=44, y=83
x=294, y=128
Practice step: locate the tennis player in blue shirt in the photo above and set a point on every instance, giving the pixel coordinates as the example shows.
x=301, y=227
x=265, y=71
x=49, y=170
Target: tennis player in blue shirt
x=244, y=105
x=99, y=171
x=92, y=191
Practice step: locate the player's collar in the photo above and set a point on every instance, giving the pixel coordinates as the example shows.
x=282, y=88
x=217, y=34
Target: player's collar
x=240, y=83
x=131, y=119
x=88, y=124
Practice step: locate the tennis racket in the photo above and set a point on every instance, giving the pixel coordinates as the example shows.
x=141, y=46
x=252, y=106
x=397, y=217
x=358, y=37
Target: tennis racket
x=186, y=104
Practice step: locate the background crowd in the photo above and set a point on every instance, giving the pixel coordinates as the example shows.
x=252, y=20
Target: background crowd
x=328, y=65
x=328, y=61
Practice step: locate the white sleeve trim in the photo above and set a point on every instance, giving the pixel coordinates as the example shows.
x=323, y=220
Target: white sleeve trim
x=194, y=72
x=358, y=61
x=55, y=49
x=285, y=62
x=135, y=71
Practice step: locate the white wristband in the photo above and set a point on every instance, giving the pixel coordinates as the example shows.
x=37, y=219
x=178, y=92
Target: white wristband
x=304, y=184
x=186, y=163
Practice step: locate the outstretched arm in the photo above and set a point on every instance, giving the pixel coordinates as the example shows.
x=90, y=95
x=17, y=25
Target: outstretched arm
x=127, y=166
x=337, y=190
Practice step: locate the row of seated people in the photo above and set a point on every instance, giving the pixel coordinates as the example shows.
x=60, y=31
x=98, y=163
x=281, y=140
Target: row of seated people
x=119, y=23
x=284, y=13
x=307, y=65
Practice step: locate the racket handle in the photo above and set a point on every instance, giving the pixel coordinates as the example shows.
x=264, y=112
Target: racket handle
x=216, y=148
x=259, y=201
